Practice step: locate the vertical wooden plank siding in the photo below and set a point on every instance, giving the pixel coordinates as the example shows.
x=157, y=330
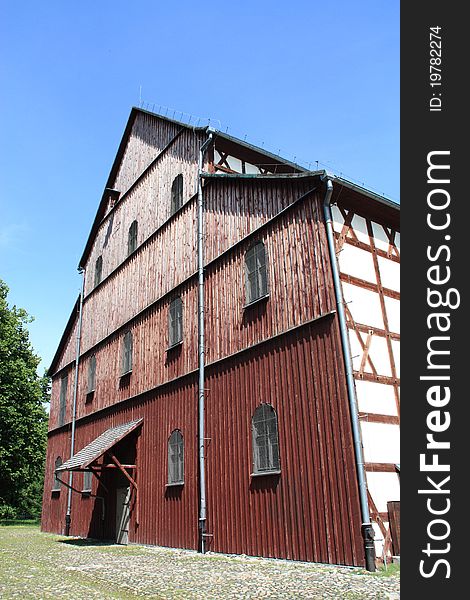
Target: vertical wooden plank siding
x=148, y=137
x=283, y=350
x=298, y=294
x=311, y=511
x=168, y=517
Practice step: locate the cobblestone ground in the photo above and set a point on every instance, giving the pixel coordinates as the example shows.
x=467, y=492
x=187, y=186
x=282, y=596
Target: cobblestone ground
x=38, y=565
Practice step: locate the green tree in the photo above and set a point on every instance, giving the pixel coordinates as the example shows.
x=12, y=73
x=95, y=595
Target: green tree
x=23, y=417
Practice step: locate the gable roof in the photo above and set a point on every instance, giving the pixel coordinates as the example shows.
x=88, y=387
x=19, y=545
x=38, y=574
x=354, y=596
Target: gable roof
x=67, y=331
x=253, y=153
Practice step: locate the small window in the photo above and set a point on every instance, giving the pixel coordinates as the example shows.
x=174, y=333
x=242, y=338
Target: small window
x=256, y=277
x=127, y=353
x=57, y=483
x=98, y=270
x=132, y=238
x=176, y=458
x=265, y=440
x=63, y=399
x=91, y=374
x=87, y=481
x=175, y=322
x=177, y=193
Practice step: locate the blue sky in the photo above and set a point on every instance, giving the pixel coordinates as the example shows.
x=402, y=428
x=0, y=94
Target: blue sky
x=317, y=80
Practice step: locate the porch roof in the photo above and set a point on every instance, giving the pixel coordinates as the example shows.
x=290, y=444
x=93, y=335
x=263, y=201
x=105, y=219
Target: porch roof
x=84, y=457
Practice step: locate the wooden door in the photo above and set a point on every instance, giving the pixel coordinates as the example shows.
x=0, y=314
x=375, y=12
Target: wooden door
x=122, y=514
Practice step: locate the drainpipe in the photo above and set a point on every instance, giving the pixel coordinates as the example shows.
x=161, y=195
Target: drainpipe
x=74, y=403
x=201, y=344
x=366, y=528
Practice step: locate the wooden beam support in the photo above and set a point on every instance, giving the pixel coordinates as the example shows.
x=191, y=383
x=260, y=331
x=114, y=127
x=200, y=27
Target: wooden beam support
x=122, y=469
x=377, y=418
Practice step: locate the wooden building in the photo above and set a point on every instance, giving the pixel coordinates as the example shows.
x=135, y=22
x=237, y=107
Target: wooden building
x=224, y=382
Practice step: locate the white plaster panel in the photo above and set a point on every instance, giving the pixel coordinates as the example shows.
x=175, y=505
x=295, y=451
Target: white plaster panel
x=338, y=220
x=356, y=350
x=383, y=487
x=360, y=229
x=396, y=355
x=389, y=273
x=379, y=354
x=364, y=305
x=375, y=398
x=357, y=262
x=378, y=539
x=381, y=442
x=251, y=169
x=235, y=163
x=392, y=308
x=397, y=240
x=381, y=240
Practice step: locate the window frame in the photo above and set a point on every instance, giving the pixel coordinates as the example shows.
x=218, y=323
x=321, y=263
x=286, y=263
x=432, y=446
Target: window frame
x=98, y=270
x=172, y=481
x=132, y=236
x=260, y=290
x=57, y=484
x=176, y=194
x=127, y=353
x=273, y=458
x=63, y=399
x=91, y=380
x=87, y=479
x=175, y=322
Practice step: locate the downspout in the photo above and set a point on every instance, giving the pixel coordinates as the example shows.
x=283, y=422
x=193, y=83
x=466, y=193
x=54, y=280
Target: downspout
x=201, y=345
x=74, y=404
x=366, y=528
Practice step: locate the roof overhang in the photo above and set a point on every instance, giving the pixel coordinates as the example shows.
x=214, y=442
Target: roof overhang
x=95, y=449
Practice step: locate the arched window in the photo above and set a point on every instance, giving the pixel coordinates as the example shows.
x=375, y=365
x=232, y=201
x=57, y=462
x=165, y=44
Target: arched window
x=256, y=277
x=127, y=353
x=98, y=270
x=177, y=193
x=265, y=440
x=175, y=322
x=63, y=399
x=132, y=238
x=176, y=458
x=91, y=374
x=57, y=484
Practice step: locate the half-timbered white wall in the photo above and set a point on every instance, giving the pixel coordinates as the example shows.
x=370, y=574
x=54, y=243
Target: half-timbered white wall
x=369, y=261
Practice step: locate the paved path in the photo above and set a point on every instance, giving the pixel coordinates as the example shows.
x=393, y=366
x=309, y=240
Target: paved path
x=36, y=565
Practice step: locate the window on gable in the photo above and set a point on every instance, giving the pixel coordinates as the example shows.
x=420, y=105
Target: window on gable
x=63, y=399
x=91, y=374
x=176, y=458
x=127, y=353
x=87, y=481
x=98, y=270
x=57, y=483
x=175, y=322
x=132, y=238
x=256, y=276
x=177, y=193
x=265, y=440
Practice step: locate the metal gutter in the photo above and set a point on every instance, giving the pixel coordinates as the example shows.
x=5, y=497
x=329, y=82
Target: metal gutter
x=68, y=518
x=366, y=528
x=261, y=176
x=201, y=344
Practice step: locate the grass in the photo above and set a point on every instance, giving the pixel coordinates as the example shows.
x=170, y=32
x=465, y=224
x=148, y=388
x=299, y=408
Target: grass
x=19, y=522
x=389, y=571
x=42, y=565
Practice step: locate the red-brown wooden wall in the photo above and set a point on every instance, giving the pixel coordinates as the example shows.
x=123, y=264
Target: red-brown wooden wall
x=311, y=512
